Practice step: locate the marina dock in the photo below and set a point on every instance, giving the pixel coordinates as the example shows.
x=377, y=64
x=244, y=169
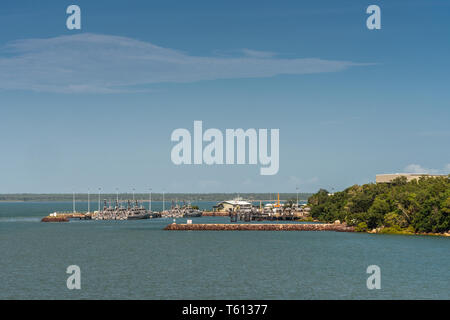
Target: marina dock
x=261, y=227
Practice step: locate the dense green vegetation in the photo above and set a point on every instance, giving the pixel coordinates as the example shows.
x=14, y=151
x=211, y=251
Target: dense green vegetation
x=415, y=206
x=155, y=196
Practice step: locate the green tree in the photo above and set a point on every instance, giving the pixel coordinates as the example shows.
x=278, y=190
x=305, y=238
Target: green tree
x=420, y=206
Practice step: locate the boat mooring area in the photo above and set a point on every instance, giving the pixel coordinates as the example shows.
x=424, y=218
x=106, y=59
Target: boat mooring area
x=240, y=213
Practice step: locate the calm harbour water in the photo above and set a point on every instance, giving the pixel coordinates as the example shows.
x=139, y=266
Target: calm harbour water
x=139, y=260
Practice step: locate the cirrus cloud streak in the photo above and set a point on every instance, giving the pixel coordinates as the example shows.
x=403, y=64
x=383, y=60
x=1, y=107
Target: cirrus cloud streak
x=95, y=63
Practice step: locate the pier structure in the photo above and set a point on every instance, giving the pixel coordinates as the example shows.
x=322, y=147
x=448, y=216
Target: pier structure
x=246, y=210
x=254, y=214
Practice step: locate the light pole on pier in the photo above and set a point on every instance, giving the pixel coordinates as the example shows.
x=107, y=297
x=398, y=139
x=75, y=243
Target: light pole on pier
x=150, y=201
x=99, y=189
x=164, y=203
x=296, y=188
x=74, y=202
x=89, y=201
x=117, y=196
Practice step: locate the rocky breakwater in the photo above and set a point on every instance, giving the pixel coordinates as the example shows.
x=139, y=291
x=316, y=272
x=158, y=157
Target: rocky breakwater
x=261, y=227
x=55, y=219
x=65, y=217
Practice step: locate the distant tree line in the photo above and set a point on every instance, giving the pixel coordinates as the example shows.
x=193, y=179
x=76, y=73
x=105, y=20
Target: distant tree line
x=417, y=206
x=194, y=197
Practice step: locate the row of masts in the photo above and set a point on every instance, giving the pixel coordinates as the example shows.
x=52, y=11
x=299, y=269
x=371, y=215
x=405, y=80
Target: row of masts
x=117, y=200
x=107, y=204
x=150, y=199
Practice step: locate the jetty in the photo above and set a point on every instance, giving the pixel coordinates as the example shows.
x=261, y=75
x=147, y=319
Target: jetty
x=215, y=214
x=261, y=227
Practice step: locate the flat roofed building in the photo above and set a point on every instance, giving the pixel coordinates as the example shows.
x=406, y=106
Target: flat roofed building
x=226, y=206
x=388, y=178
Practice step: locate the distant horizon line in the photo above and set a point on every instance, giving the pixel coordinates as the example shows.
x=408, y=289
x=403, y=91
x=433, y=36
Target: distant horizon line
x=192, y=197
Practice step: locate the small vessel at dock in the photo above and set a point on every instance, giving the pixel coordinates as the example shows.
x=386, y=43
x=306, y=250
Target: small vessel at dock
x=184, y=211
x=133, y=211
x=190, y=212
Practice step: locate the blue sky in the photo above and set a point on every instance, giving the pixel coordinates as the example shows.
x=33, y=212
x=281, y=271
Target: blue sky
x=96, y=107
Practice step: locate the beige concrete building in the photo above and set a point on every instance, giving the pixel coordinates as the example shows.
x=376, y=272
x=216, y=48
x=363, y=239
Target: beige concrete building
x=388, y=178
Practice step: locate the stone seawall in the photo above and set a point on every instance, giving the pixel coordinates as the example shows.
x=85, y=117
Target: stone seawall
x=261, y=227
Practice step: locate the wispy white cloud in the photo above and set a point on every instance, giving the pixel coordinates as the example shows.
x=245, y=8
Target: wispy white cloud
x=258, y=54
x=447, y=168
x=416, y=168
x=106, y=64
